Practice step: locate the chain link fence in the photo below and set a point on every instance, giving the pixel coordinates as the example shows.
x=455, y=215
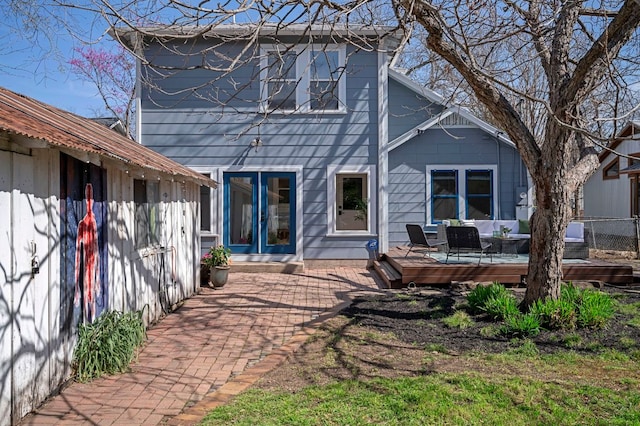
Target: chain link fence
x=622, y=234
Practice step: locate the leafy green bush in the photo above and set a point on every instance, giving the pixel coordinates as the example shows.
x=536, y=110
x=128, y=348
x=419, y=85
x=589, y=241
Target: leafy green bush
x=108, y=345
x=595, y=310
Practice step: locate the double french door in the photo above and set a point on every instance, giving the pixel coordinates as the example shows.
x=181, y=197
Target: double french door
x=259, y=212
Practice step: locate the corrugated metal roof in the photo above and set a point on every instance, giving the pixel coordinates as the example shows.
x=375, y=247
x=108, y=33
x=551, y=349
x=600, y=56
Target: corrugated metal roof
x=25, y=116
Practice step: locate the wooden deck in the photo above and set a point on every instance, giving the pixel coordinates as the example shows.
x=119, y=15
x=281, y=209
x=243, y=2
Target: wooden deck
x=398, y=271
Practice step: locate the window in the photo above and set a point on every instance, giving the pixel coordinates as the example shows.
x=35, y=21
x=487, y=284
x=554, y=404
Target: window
x=445, y=194
x=325, y=74
x=303, y=79
x=350, y=206
x=635, y=160
x=460, y=192
x=146, y=196
x=206, y=214
x=611, y=170
x=479, y=194
x=281, y=80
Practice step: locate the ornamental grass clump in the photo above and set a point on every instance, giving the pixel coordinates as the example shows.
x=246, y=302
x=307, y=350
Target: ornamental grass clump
x=108, y=345
x=478, y=297
x=595, y=309
x=555, y=314
x=495, y=300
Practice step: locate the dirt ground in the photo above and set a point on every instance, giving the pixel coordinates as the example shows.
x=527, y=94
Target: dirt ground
x=402, y=334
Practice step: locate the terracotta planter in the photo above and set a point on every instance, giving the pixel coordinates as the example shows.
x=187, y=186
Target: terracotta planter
x=218, y=276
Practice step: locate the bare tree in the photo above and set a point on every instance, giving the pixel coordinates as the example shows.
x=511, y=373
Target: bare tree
x=558, y=76
x=575, y=52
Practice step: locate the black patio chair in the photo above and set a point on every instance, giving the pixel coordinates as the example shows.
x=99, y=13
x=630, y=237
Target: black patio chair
x=418, y=238
x=466, y=239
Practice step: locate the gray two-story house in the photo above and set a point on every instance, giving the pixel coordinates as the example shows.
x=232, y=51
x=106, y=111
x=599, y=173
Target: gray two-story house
x=318, y=145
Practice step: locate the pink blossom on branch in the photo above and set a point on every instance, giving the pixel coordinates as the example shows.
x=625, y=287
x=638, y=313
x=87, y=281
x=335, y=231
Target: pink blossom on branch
x=113, y=74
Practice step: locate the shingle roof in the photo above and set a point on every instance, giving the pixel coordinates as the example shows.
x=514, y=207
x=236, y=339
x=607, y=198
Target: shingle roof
x=28, y=117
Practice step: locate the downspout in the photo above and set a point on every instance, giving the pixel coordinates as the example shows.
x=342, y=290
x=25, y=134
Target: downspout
x=499, y=212
x=383, y=153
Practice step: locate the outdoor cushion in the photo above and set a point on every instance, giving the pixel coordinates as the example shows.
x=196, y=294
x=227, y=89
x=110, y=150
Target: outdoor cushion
x=523, y=227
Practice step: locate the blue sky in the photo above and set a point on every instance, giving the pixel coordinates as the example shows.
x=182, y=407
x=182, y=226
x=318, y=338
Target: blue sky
x=27, y=68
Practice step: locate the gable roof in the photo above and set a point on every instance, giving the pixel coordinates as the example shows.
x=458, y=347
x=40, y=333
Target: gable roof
x=448, y=110
x=30, y=118
x=389, y=35
x=629, y=131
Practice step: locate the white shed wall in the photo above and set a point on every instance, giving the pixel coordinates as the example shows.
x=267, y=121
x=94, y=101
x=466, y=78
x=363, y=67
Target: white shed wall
x=35, y=357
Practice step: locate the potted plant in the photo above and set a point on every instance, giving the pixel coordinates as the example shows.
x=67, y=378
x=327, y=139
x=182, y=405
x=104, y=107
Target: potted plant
x=218, y=260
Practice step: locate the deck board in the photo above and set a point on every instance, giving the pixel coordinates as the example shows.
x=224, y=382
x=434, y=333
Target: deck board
x=428, y=271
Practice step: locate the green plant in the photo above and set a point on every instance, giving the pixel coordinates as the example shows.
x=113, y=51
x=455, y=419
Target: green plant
x=520, y=325
x=555, y=314
x=572, y=340
x=108, y=345
x=217, y=256
x=570, y=293
x=459, y=319
x=478, y=297
x=502, y=306
x=595, y=310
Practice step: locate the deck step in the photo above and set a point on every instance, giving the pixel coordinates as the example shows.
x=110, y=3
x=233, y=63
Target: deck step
x=389, y=275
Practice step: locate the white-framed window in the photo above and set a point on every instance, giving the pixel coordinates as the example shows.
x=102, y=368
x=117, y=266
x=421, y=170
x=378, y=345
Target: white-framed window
x=303, y=79
x=146, y=196
x=350, y=202
x=461, y=192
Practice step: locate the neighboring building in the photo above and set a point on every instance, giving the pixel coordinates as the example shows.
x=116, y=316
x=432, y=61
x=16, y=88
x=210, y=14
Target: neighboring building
x=319, y=146
x=613, y=191
x=91, y=221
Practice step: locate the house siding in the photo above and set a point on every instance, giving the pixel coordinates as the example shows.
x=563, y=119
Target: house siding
x=206, y=137
x=610, y=198
x=407, y=109
x=438, y=147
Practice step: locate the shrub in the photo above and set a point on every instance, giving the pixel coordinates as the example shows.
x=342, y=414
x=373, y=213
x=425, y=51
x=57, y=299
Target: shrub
x=595, y=310
x=108, y=345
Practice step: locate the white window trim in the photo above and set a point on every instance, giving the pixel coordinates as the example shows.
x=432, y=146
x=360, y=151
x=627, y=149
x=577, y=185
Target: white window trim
x=303, y=61
x=332, y=171
x=462, y=195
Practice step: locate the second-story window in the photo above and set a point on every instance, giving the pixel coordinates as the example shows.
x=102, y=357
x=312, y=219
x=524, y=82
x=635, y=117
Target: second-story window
x=303, y=78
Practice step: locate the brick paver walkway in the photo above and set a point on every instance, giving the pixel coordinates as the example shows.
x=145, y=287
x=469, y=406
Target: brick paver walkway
x=213, y=347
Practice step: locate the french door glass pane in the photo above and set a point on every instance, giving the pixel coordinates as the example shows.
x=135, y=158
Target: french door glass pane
x=278, y=211
x=241, y=210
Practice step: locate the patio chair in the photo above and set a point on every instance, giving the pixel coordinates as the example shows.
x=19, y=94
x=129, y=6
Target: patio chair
x=418, y=238
x=466, y=239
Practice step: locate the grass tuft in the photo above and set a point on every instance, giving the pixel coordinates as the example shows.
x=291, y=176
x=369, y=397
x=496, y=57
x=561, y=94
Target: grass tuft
x=460, y=319
x=108, y=345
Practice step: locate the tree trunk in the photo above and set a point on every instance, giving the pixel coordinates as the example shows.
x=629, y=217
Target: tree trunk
x=555, y=186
